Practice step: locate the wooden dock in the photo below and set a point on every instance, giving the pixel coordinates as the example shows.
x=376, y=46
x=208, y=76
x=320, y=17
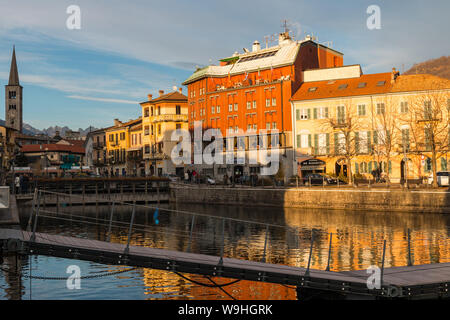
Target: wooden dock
x=414, y=282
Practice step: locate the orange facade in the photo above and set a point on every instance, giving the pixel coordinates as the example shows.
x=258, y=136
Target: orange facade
x=255, y=99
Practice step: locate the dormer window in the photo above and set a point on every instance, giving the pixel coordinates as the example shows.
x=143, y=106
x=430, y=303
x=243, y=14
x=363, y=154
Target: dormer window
x=381, y=83
x=343, y=86
x=312, y=89
x=362, y=84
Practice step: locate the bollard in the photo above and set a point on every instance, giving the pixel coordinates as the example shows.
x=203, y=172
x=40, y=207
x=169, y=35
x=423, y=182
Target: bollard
x=190, y=233
x=108, y=237
x=127, y=249
x=223, y=242
x=265, y=245
x=382, y=261
x=409, y=248
x=310, y=253
x=329, y=253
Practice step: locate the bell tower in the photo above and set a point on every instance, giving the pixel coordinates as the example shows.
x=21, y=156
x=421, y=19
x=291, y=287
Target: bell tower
x=13, y=97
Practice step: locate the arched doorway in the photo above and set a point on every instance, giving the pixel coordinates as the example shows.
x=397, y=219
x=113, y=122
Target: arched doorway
x=341, y=167
x=405, y=167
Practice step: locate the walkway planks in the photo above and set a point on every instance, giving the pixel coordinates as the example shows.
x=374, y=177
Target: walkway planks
x=434, y=277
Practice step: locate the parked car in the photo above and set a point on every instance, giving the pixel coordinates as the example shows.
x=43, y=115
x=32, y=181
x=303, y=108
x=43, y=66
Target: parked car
x=320, y=179
x=442, y=178
x=210, y=180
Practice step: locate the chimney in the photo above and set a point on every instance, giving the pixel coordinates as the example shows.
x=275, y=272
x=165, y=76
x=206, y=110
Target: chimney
x=161, y=92
x=394, y=75
x=149, y=96
x=180, y=90
x=256, y=46
x=117, y=122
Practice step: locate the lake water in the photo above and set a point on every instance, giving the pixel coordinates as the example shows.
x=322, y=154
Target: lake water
x=357, y=243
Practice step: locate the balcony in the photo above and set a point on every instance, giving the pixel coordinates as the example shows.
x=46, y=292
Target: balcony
x=170, y=118
x=99, y=145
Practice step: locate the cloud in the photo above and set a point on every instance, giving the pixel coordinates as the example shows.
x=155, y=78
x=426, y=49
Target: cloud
x=103, y=99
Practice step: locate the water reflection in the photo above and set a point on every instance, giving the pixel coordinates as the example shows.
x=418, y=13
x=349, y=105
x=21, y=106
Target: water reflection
x=357, y=244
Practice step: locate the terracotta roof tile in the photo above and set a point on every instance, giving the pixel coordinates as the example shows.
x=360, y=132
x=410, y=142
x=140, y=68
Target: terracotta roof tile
x=52, y=147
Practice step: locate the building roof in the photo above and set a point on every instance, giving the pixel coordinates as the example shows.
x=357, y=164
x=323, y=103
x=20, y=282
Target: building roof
x=171, y=96
x=403, y=83
x=53, y=147
x=13, y=72
x=125, y=124
x=368, y=84
x=277, y=56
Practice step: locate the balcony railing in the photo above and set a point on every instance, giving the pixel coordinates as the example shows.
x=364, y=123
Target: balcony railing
x=170, y=117
x=98, y=145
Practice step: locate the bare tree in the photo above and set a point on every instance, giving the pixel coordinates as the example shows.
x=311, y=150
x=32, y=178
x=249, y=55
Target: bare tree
x=344, y=123
x=429, y=123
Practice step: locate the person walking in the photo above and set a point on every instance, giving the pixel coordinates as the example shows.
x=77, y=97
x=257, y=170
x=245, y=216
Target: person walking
x=17, y=184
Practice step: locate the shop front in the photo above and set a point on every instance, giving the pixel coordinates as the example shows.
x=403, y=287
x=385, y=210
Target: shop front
x=311, y=165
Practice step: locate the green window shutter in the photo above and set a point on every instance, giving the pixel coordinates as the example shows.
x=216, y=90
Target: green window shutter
x=356, y=167
x=390, y=167
x=309, y=141
x=336, y=143
x=369, y=143
x=375, y=137
x=298, y=140
x=357, y=142
x=328, y=143
x=297, y=114
x=316, y=143
x=309, y=114
x=315, y=113
x=326, y=111
x=443, y=164
x=370, y=167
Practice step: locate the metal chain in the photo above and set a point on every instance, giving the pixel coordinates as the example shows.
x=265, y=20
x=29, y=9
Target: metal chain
x=93, y=276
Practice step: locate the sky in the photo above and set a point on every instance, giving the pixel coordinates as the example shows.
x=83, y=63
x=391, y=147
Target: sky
x=125, y=50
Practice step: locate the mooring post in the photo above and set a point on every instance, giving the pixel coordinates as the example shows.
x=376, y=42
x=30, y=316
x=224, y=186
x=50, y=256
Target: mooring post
x=409, y=248
x=190, y=233
x=108, y=237
x=33, y=207
x=33, y=236
x=223, y=242
x=382, y=262
x=310, y=253
x=127, y=249
x=265, y=244
x=329, y=253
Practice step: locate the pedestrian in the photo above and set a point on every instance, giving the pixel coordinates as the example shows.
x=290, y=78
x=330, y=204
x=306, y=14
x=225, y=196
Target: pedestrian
x=17, y=184
x=186, y=177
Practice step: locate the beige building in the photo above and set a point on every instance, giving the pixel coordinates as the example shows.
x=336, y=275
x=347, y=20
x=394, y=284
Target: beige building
x=160, y=117
x=357, y=123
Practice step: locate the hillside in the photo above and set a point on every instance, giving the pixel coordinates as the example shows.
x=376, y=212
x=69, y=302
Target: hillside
x=439, y=67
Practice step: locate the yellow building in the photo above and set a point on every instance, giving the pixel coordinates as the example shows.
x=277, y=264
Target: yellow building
x=118, y=141
x=135, y=151
x=385, y=120
x=160, y=117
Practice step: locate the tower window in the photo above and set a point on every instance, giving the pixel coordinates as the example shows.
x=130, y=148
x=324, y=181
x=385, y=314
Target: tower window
x=12, y=94
x=12, y=107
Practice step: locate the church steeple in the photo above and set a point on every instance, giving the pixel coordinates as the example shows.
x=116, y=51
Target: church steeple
x=13, y=72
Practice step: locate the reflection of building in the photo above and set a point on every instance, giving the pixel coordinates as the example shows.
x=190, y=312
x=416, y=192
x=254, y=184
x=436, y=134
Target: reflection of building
x=117, y=143
x=252, y=91
x=340, y=111
x=160, y=117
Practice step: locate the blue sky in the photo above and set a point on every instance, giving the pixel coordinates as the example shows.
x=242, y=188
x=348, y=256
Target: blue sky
x=127, y=49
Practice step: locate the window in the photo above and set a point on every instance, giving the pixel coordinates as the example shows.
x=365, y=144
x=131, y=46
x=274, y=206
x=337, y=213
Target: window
x=305, y=114
x=145, y=112
x=362, y=84
x=212, y=109
x=267, y=102
x=249, y=105
x=159, y=110
x=218, y=109
x=404, y=107
x=151, y=111
x=159, y=128
x=428, y=114
x=254, y=104
x=343, y=86
x=12, y=107
x=361, y=110
x=312, y=89
x=12, y=94
x=274, y=102
x=274, y=125
x=235, y=107
x=381, y=83
x=268, y=125
x=380, y=108
x=146, y=130
x=249, y=127
x=147, y=148
x=122, y=136
x=230, y=107
x=255, y=127
x=405, y=139
x=177, y=109
x=341, y=114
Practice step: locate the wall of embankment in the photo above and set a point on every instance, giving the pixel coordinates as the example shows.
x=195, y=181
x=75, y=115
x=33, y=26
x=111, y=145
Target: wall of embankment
x=328, y=198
